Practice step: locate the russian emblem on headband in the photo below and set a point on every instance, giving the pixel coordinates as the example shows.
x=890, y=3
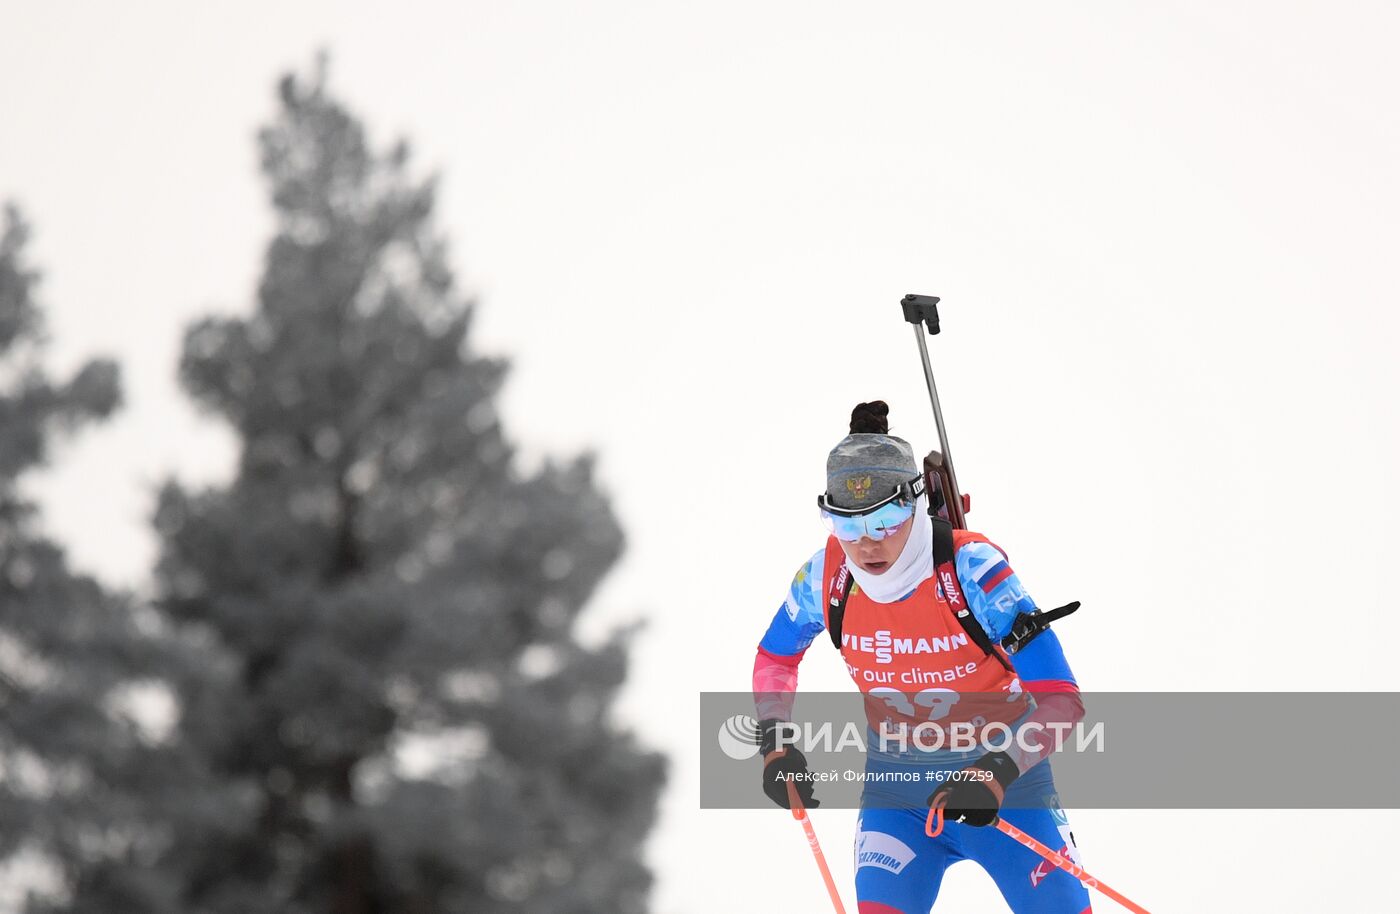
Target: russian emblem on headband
x=858, y=488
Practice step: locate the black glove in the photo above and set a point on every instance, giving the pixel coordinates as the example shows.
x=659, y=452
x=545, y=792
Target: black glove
x=783, y=767
x=973, y=795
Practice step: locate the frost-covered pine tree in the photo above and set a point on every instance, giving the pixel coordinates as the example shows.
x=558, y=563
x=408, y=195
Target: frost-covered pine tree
x=412, y=712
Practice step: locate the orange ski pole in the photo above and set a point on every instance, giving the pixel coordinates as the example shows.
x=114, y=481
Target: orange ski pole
x=1069, y=866
x=800, y=815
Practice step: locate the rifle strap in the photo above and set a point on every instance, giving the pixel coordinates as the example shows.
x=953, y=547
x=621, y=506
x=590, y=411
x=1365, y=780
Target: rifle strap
x=836, y=604
x=945, y=567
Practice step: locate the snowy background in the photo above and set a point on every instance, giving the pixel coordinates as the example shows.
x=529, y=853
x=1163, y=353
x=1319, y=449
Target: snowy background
x=1164, y=239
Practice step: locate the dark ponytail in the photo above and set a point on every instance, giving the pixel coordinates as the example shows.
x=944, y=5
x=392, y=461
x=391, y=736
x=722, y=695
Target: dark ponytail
x=871, y=418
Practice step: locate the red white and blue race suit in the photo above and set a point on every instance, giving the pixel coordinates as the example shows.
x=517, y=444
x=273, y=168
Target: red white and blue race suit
x=914, y=659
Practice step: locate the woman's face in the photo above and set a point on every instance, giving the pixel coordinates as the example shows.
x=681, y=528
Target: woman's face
x=876, y=556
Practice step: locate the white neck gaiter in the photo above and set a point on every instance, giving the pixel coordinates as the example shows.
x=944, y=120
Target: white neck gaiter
x=912, y=568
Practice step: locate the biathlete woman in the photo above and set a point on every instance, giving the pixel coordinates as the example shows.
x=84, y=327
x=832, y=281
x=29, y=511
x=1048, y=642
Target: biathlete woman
x=898, y=628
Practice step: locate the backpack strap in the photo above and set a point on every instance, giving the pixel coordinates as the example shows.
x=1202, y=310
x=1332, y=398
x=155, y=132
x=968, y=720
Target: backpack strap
x=945, y=566
x=841, y=586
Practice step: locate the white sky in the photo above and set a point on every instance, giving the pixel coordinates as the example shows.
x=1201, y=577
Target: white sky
x=1164, y=235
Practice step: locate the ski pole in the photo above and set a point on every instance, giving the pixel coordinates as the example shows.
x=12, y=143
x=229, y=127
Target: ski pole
x=1069, y=866
x=923, y=309
x=800, y=814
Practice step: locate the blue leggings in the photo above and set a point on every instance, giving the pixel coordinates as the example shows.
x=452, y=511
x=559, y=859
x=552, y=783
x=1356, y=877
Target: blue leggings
x=899, y=868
